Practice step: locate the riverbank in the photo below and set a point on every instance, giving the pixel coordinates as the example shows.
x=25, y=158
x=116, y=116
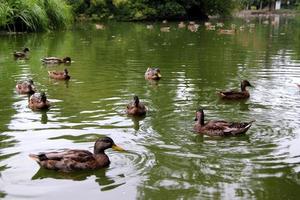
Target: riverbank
x=265, y=13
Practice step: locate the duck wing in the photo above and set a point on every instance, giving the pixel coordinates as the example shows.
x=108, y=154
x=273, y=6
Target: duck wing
x=235, y=128
x=223, y=128
x=65, y=160
x=55, y=73
x=50, y=58
x=233, y=95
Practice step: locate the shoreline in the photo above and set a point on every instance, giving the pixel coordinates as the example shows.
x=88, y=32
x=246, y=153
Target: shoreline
x=265, y=13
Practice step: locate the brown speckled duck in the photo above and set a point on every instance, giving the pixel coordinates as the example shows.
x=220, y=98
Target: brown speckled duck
x=21, y=54
x=218, y=127
x=243, y=94
x=55, y=60
x=72, y=160
x=136, y=108
x=59, y=75
x=25, y=87
x=152, y=73
x=38, y=101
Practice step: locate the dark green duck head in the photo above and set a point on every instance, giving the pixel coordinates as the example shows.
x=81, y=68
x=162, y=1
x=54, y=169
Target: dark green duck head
x=105, y=143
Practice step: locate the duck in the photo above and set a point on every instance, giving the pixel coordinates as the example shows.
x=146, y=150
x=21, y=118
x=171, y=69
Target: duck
x=25, y=87
x=219, y=127
x=38, y=101
x=76, y=159
x=99, y=26
x=153, y=73
x=181, y=25
x=136, y=108
x=165, y=29
x=59, y=75
x=243, y=94
x=55, y=60
x=192, y=26
x=21, y=54
x=149, y=26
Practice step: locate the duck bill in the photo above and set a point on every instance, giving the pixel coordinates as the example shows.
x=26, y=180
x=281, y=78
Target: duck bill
x=117, y=148
x=158, y=75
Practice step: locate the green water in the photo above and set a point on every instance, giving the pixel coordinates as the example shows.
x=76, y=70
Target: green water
x=164, y=158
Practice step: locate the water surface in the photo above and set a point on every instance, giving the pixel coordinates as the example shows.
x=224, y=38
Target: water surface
x=164, y=158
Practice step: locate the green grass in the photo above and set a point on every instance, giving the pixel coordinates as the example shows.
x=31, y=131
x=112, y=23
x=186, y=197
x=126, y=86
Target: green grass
x=34, y=15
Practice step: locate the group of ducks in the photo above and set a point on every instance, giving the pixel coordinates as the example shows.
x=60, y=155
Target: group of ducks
x=36, y=100
x=193, y=27
x=70, y=160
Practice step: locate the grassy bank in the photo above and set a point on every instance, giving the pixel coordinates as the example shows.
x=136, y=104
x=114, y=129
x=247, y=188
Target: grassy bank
x=34, y=15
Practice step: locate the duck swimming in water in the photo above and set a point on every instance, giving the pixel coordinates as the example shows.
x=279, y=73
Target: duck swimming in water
x=219, y=127
x=25, y=87
x=55, y=60
x=243, y=94
x=72, y=160
x=136, y=108
x=21, y=54
x=153, y=74
x=59, y=75
x=38, y=101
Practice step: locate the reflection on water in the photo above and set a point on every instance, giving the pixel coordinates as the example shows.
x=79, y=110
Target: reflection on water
x=164, y=156
x=105, y=182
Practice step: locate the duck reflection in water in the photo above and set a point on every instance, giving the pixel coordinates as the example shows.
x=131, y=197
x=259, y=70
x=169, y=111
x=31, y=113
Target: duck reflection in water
x=44, y=117
x=105, y=182
x=136, y=121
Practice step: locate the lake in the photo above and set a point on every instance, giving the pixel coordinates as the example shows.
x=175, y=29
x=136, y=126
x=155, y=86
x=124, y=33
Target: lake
x=164, y=158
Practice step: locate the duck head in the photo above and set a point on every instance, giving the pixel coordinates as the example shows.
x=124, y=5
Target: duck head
x=25, y=50
x=43, y=97
x=200, y=116
x=67, y=59
x=154, y=73
x=244, y=84
x=157, y=72
x=105, y=143
x=30, y=81
x=136, y=101
x=66, y=72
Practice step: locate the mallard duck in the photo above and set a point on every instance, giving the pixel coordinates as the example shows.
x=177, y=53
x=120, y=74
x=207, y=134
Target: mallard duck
x=153, y=73
x=21, y=54
x=25, y=87
x=218, y=127
x=136, y=108
x=55, y=60
x=243, y=94
x=38, y=101
x=64, y=75
x=76, y=159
